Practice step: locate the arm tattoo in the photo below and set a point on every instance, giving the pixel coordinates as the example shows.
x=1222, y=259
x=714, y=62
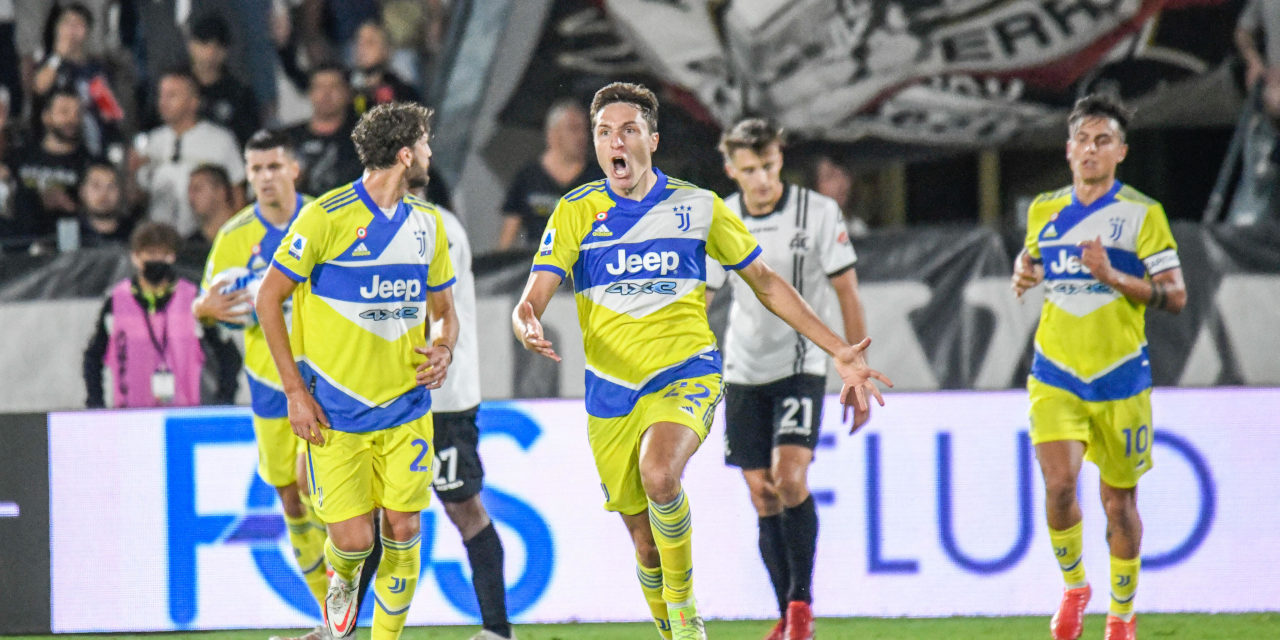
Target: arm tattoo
x=1158, y=296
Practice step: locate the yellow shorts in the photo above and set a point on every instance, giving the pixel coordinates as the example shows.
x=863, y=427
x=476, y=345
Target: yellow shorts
x=354, y=472
x=615, y=442
x=278, y=450
x=1117, y=433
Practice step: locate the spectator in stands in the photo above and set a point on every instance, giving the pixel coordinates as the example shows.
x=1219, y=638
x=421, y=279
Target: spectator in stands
x=49, y=171
x=209, y=193
x=323, y=143
x=224, y=100
x=168, y=153
x=103, y=221
x=834, y=180
x=562, y=166
x=1261, y=64
x=67, y=65
x=324, y=23
x=373, y=80
x=147, y=336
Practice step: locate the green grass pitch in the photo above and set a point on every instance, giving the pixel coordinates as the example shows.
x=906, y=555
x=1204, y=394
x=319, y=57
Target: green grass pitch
x=1151, y=626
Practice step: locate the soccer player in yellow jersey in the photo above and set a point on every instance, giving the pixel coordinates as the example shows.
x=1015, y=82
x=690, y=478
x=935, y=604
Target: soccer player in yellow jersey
x=636, y=244
x=371, y=270
x=248, y=240
x=1105, y=253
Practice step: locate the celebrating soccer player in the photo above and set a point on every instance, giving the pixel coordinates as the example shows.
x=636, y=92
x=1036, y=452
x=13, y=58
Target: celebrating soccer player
x=775, y=378
x=1105, y=254
x=636, y=244
x=371, y=265
x=248, y=240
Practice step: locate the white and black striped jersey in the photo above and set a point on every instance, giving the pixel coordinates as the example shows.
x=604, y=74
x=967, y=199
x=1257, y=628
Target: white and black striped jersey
x=805, y=240
x=461, y=388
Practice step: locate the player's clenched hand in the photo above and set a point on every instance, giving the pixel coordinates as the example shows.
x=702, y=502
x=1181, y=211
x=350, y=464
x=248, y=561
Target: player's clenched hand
x=1026, y=274
x=528, y=331
x=306, y=417
x=220, y=306
x=1093, y=255
x=431, y=374
x=859, y=381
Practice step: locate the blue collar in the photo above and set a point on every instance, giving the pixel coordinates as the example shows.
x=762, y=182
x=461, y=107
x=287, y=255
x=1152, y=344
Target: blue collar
x=650, y=199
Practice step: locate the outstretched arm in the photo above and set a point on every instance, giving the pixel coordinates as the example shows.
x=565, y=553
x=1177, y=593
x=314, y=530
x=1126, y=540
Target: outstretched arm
x=525, y=321
x=855, y=327
x=782, y=299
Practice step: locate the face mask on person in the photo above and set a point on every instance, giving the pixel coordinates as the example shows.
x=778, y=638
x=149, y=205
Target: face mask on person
x=157, y=271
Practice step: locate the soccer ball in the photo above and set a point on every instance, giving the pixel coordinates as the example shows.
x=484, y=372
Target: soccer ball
x=238, y=279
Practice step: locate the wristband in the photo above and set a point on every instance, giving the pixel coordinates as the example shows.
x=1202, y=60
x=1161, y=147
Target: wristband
x=447, y=347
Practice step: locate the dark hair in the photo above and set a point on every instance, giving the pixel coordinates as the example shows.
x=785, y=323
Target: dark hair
x=215, y=171
x=268, y=139
x=154, y=235
x=55, y=16
x=211, y=27
x=1100, y=105
x=61, y=92
x=104, y=165
x=180, y=72
x=328, y=67
x=636, y=95
x=386, y=129
x=754, y=134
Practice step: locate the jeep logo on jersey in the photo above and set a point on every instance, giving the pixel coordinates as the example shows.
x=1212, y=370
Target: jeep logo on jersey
x=1068, y=264
x=666, y=261
x=403, y=313
x=391, y=289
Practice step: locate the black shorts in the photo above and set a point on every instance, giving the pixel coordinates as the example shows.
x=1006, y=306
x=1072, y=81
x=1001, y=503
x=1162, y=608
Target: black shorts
x=459, y=474
x=760, y=417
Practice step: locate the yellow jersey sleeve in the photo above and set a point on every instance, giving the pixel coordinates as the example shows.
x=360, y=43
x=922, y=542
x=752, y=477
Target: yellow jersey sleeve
x=1037, y=216
x=1156, y=247
x=440, y=274
x=305, y=245
x=728, y=241
x=561, y=241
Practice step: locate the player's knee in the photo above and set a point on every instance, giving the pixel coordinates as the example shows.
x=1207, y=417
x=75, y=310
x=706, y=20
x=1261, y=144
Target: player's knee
x=792, y=491
x=765, y=499
x=469, y=516
x=661, y=484
x=1120, y=506
x=1059, y=493
x=351, y=539
x=402, y=528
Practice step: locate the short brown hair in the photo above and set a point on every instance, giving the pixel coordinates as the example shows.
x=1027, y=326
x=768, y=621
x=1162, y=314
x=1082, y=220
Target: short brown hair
x=155, y=235
x=636, y=95
x=1100, y=105
x=386, y=129
x=754, y=134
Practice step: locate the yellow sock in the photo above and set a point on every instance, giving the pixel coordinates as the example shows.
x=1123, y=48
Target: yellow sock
x=346, y=564
x=1124, y=586
x=672, y=526
x=1068, y=546
x=308, y=550
x=394, y=585
x=651, y=584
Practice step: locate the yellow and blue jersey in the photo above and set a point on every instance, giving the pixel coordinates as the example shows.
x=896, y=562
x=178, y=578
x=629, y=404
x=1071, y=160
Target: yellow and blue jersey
x=639, y=275
x=249, y=240
x=1092, y=339
x=361, y=307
